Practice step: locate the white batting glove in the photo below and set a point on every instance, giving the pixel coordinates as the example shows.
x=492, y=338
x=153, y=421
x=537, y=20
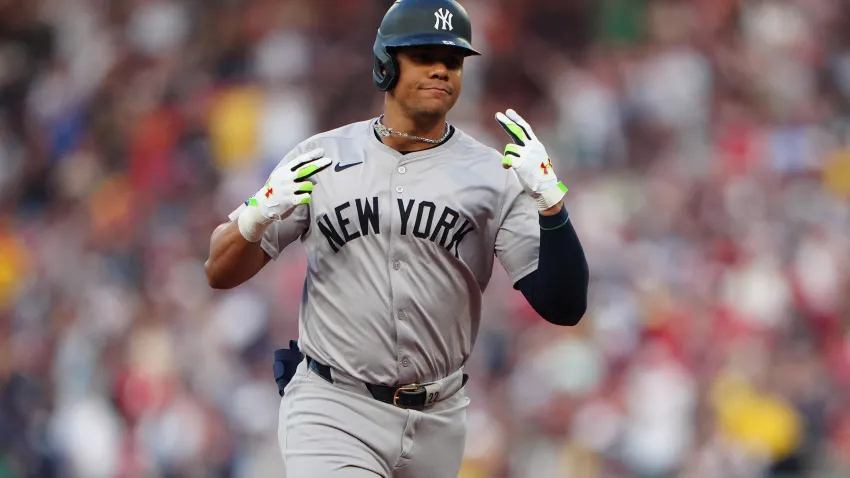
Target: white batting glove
x=530, y=161
x=288, y=187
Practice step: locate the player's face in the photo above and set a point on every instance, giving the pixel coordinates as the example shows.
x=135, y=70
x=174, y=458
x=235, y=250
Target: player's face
x=430, y=79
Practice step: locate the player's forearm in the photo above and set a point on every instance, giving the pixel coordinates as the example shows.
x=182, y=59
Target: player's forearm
x=233, y=260
x=557, y=290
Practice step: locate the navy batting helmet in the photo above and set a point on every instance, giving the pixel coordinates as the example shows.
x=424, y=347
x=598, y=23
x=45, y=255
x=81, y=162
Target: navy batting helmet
x=415, y=23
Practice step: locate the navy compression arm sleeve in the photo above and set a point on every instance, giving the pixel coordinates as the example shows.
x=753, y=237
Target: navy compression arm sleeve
x=557, y=290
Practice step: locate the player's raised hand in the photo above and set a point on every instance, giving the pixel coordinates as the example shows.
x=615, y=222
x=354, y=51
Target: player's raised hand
x=288, y=187
x=528, y=158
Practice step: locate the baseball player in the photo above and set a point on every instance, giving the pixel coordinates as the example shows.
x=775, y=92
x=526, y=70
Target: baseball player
x=401, y=216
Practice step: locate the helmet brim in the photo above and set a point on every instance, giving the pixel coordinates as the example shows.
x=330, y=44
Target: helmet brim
x=433, y=39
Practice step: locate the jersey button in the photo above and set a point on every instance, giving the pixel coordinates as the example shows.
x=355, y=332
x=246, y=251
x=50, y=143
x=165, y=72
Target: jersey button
x=399, y=189
x=401, y=315
x=402, y=170
x=405, y=362
x=396, y=265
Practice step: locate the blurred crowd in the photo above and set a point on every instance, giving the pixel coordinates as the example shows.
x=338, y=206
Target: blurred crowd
x=706, y=145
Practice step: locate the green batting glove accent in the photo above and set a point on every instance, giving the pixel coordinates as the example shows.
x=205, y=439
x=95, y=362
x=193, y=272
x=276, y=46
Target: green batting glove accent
x=516, y=132
x=506, y=162
x=252, y=202
x=306, y=200
x=306, y=171
x=306, y=188
x=562, y=187
x=512, y=149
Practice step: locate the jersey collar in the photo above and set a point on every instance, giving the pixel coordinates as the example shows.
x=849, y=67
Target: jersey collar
x=379, y=145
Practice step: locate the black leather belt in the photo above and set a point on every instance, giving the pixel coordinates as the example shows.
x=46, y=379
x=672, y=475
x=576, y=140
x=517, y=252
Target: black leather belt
x=405, y=396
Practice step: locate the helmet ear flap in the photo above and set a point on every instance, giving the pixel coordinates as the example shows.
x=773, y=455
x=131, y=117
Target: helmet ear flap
x=384, y=67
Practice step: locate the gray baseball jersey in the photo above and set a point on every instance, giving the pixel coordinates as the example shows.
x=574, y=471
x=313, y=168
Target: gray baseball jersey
x=400, y=248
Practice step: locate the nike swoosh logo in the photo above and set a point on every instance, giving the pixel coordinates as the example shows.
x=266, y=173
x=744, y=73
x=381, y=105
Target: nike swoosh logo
x=339, y=168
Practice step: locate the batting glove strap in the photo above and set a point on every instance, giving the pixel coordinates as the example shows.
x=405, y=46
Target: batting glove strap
x=551, y=197
x=252, y=224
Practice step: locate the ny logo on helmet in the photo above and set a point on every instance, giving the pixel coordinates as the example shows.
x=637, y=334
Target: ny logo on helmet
x=444, y=16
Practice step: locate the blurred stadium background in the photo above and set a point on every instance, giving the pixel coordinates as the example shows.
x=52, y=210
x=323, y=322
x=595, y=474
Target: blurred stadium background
x=706, y=144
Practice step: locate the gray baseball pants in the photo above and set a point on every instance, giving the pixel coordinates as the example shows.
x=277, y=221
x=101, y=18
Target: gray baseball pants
x=340, y=431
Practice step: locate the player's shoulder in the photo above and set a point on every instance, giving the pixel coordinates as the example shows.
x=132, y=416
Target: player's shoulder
x=485, y=160
x=475, y=155
x=472, y=148
x=349, y=132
